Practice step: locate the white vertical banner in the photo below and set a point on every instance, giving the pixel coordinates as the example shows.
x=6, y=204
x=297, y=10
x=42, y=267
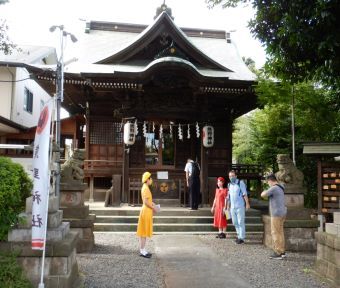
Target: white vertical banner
x=41, y=181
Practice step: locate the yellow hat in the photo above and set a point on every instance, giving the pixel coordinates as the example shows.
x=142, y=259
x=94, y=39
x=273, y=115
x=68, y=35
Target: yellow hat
x=146, y=176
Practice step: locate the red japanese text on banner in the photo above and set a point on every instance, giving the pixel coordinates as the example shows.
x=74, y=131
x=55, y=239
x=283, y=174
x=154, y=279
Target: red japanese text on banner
x=41, y=180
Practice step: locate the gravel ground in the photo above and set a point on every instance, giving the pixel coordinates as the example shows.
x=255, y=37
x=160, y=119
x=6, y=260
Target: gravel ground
x=252, y=261
x=115, y=262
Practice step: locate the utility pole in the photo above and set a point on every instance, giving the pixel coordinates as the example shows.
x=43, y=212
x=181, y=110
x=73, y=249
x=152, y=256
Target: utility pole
x=60, y=98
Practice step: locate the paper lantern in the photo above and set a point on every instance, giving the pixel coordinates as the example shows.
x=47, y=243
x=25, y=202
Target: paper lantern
x=129, y=133
x=208, y=136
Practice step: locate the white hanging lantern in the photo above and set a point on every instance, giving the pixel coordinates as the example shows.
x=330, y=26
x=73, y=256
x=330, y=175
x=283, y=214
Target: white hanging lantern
x=129, y=133
x=208, y=136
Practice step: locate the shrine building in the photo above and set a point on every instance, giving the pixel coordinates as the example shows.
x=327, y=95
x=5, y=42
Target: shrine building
x=180, y=89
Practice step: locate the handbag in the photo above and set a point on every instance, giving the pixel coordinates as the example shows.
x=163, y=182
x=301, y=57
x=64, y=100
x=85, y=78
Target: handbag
x=227, y=214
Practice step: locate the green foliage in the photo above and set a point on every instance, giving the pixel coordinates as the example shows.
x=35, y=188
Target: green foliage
x=262, y=134
x=302, y=37
x=5, y=44
x=15, y=187
x=11, y=274
x=225, y=3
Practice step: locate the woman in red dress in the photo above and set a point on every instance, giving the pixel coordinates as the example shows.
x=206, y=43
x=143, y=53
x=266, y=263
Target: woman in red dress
x=219, y=207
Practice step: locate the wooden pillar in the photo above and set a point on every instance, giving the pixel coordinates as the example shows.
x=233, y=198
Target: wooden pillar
x=229, y=135
x=319, y=181
x=87, y=135
x=258, y=189
x=126, y=166
x=204, y=174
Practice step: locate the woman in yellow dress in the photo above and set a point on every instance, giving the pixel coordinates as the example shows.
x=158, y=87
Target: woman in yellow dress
x=145, y=222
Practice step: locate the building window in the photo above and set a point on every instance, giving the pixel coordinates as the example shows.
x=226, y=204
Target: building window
x=28, y=101
x=168, y=147
x=159, y=152
x=151, y=149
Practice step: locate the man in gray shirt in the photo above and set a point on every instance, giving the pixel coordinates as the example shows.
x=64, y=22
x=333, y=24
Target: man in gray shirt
x=278, y=212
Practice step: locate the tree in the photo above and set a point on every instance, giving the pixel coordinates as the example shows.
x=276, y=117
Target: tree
x=250, y=64
x=5, y=44
x=302, y=37
x=15, y=187
x=262, y=134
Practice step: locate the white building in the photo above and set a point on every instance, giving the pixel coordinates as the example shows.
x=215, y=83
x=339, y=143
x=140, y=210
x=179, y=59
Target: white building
x=21, y=97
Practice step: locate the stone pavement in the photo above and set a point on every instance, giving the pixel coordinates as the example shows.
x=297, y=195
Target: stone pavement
x=188, y=262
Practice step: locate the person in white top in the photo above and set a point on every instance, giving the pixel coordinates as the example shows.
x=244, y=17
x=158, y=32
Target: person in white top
x=192, y=174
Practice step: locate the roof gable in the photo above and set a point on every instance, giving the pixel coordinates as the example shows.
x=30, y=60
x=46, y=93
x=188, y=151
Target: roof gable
x=162, y=39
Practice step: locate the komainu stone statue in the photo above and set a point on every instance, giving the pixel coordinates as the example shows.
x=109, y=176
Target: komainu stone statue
x=289, y=175
x=72, y=170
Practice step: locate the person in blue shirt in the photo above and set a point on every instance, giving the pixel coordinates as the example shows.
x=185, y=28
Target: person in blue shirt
x=237, y=203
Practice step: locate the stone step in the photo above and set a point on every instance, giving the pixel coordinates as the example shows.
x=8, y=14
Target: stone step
x=168, y=202
x=168, y=219
x=258, y=235
x=165, y=211
x=171, y=227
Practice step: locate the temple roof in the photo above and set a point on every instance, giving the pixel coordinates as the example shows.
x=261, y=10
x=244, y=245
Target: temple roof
x=119, y=62
x=115, y=47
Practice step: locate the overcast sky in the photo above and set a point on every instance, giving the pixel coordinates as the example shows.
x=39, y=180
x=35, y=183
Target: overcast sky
x=29, y=20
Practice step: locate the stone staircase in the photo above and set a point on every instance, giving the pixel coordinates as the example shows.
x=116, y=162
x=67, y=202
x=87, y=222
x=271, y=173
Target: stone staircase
x=169, y=220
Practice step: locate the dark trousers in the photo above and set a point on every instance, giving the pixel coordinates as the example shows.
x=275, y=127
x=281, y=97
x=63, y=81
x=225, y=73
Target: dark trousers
x=194, y=192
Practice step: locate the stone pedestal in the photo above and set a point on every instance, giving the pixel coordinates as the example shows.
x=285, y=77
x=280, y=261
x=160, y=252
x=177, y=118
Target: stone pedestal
x=292, y=180
x=299, y=228
x=60, y=268
x=299, y=234
x=75, y=212
x=328, y=251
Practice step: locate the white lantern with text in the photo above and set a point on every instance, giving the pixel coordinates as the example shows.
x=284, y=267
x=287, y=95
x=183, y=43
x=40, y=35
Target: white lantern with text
x=208, y=136
x=129, y=133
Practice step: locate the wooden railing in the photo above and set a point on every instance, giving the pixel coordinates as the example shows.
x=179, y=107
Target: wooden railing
x=102, y=167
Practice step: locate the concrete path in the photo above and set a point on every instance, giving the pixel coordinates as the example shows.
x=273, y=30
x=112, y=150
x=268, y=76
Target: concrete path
x=188, y=262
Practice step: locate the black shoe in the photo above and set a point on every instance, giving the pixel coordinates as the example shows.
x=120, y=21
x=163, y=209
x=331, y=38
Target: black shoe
x=222, y=236
x=275, y=256
x=147, y=255
x=218, y=235
x=239, y=241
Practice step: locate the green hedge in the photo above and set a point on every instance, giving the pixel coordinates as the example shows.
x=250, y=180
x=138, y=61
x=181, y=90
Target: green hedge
x=11, y=274
x=15, y=187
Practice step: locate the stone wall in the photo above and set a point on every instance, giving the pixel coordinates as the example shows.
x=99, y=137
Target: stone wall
x=60, y=267
x=75, y=212
x=299, y=234
x=328, y=251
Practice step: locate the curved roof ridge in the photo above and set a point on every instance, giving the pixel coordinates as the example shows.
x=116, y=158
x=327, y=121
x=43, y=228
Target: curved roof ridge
x=138, y=43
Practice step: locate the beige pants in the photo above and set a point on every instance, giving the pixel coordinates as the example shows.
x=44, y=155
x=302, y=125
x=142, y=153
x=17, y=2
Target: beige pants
x=278, y=235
